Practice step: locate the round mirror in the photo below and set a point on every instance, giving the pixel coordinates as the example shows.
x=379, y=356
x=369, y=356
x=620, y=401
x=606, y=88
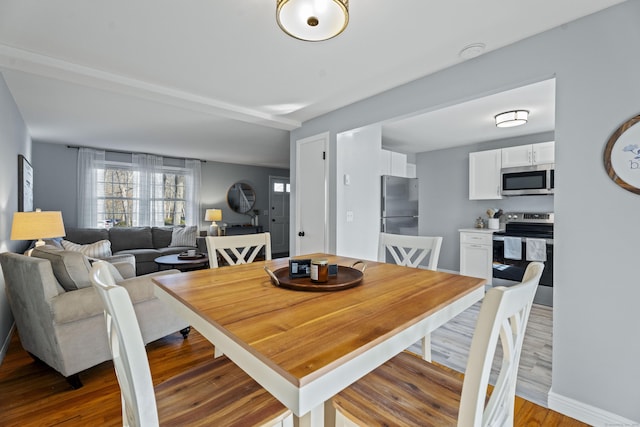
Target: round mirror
x=241, y=197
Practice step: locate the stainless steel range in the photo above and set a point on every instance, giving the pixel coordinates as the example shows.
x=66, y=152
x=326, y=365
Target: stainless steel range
x=527, y=237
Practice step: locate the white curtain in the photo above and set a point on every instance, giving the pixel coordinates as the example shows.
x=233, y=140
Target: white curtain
x=90, y=163
x=192, y=202
x=148, y=188
x=149, y=174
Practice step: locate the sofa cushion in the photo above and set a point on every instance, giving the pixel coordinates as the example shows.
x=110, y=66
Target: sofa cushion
x=70, y=268
x=130, y=238
x=161, y=236
x=184, y=236
x=99, y=249
x=86, y=235
x=142, y=255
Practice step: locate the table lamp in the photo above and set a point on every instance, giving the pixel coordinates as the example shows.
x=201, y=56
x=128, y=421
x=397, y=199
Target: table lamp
x=37, y=225
x=213, y=215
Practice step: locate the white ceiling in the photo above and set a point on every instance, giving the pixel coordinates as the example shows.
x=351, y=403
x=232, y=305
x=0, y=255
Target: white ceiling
x=473, y=121
x=218, y=80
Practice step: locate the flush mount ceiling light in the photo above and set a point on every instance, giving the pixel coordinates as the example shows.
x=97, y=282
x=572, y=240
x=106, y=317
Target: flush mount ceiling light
x=312, y=20
x=472, y=50
x=512, y=118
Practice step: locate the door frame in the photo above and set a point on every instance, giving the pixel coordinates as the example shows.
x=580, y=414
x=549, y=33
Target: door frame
x=280, y=178
x=326, y=137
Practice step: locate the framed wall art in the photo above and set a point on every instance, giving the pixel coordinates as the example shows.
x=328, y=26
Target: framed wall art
x=25, y=185
x=622, y=155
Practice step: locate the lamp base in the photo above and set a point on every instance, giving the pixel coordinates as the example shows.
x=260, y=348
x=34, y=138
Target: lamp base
x=213, y=229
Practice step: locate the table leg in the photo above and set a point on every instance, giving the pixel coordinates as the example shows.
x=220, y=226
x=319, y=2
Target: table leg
x=313, y=418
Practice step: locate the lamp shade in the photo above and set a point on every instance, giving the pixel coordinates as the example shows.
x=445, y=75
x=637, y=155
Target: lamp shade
x=512, y=118
x=213, y=215
x=312, y=20
x=37, y=225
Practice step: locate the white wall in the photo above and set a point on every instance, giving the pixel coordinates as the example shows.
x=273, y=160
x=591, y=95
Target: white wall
x=596, y=374
x=358, y=156
x=14, y=140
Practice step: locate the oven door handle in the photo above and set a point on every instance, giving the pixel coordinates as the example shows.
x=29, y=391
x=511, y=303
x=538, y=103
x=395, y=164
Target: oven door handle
x=524, y=239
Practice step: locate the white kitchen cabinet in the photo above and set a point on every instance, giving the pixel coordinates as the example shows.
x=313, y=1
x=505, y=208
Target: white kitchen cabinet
x=392, y=163
x=543, y=153
x=411, y=170
x=527, y=155
x=484, y=175
x=476, y=254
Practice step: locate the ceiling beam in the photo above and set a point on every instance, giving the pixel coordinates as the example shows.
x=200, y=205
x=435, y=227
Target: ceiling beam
x=46, y=66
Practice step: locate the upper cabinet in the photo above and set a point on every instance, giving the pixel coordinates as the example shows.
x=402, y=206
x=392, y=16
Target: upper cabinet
x=392, y=163
x=527, y=155
x=484, y=166
x=484, y=175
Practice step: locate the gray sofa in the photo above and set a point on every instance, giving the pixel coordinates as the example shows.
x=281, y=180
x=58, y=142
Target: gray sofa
x=145, y=243
x=59, y=316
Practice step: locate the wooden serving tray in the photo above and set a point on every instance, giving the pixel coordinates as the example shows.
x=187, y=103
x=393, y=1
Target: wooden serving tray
x=347, y=277
x=185, y=256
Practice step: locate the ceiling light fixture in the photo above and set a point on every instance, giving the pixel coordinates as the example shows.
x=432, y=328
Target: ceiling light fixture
x=472, y=50
x=312, y=20
x=511, y=118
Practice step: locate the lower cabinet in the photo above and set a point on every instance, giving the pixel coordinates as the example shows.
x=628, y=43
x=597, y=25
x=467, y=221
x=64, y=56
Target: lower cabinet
x=476, y=254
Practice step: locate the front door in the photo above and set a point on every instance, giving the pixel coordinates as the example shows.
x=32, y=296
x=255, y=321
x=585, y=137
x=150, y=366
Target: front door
x=279, y=214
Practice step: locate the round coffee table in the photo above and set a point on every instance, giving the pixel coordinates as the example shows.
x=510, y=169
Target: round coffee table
x=172, y=261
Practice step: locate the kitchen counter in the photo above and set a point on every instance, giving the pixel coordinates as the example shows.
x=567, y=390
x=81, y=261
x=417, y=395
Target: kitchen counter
x=479, y=230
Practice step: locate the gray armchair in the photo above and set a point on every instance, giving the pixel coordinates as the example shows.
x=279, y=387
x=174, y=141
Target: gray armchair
x=65, y=328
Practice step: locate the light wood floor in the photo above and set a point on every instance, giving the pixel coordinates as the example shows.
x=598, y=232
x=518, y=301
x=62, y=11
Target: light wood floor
x=451, y=342
x=32, y=394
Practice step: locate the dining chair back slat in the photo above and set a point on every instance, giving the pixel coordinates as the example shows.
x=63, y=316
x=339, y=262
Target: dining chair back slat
x=240, y=249
x=410, y=251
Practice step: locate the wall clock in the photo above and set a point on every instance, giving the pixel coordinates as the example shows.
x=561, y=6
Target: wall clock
x=622, y=156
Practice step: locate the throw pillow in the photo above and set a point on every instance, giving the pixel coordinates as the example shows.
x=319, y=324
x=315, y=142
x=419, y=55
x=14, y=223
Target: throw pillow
x=112, y=269
x=70, y=268
x=99, y=249
x=184, y=236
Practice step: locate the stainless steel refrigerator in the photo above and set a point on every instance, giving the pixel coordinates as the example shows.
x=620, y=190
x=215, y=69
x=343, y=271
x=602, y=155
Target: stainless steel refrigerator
x=399, y=205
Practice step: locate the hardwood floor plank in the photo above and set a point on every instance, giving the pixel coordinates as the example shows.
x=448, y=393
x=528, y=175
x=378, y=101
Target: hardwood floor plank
x=32, y=394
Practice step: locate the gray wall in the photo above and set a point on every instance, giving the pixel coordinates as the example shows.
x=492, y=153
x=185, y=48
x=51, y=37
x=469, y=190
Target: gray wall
x=14, y=140
x=55, y=171
x=444, y=195
x=595, y=359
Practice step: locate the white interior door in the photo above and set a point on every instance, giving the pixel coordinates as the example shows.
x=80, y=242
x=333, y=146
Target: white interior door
x=311, y=194
x=279, y=196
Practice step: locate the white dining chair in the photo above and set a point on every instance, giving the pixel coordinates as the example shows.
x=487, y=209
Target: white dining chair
x=408, y=391
x=412, y=251
x=241, y=249
x=215, y=392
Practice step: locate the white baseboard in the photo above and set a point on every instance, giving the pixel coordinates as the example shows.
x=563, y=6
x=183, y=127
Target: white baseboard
x=7, y=341
x=586, y=413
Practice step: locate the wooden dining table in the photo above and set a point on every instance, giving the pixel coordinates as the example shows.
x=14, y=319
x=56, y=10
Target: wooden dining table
x=304, y=347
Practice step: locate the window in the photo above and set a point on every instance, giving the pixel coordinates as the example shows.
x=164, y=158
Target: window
x=143, y=192
x=279, y=187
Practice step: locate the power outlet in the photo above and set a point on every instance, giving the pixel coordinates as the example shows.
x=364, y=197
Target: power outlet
x=349, y=216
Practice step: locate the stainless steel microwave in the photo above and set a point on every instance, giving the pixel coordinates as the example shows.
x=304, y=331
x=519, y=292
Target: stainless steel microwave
x=528, y=180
